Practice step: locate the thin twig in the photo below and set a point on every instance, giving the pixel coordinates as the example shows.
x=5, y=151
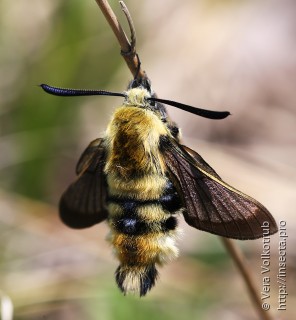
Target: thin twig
x=241, y=263
x=131, y=25
x=128, y=50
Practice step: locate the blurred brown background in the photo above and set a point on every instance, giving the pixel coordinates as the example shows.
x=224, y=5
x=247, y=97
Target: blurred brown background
x=231, y=55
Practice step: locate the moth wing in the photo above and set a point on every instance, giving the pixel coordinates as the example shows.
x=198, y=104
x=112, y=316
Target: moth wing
x=211, y=204
x=83, y=204
x=201, y=163
x=88, y=154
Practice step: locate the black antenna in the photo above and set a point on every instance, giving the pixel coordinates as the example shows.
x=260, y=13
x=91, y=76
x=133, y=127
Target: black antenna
x=65, y=92
x=216, y=115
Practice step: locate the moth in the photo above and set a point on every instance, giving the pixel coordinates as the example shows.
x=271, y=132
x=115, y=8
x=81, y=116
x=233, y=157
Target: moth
x=140, y=178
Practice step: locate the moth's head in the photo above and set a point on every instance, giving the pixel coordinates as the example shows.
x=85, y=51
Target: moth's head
x=139, y=92
x=137, y=97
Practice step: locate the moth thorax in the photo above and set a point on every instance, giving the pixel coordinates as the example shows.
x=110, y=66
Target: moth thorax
x=137, y=97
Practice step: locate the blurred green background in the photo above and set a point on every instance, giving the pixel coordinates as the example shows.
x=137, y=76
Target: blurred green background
x=231, y=54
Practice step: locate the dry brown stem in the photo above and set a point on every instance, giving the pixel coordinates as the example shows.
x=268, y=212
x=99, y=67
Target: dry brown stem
x=241, y=263
x=128, y=50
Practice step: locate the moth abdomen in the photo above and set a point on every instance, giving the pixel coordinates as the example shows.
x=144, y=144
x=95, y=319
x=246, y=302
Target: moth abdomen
x=143, y=233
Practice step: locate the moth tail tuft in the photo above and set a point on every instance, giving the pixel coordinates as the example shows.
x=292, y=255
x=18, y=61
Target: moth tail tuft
x=136, y=279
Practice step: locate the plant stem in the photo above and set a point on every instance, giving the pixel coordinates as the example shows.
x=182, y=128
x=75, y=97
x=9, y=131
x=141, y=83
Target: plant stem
x=241, y=263
x=128, y=50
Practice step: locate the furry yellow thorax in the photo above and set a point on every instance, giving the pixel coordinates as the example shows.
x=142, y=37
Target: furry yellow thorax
x=132, y=138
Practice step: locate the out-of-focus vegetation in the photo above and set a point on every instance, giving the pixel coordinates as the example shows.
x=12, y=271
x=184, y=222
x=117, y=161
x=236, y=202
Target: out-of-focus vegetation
x=235, y=55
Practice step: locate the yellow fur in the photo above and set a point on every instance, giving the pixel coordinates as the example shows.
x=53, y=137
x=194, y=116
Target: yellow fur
x=132, y=139
x=140, y=188
x=152, y=248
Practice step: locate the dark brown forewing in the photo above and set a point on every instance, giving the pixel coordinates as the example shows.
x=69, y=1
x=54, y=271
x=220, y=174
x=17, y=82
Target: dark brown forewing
x=83, y=204
x=211, y=204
